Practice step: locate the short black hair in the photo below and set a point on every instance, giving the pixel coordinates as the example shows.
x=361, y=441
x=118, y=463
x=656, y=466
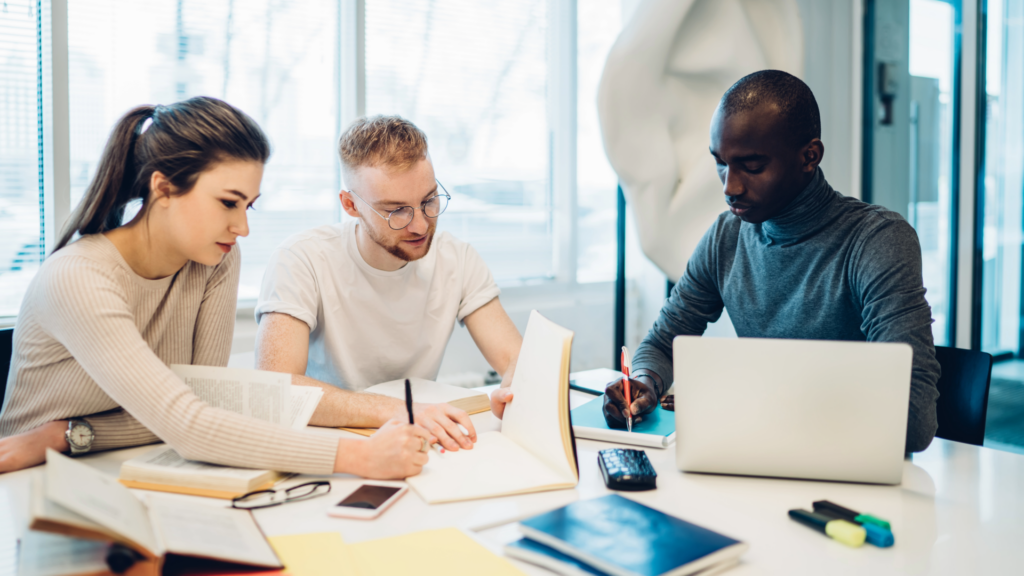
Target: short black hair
x=793, y=98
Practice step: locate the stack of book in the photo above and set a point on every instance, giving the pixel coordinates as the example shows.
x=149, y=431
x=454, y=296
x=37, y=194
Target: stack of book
x=616, y=536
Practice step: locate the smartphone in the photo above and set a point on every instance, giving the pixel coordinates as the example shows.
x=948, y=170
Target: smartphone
x=368, y=501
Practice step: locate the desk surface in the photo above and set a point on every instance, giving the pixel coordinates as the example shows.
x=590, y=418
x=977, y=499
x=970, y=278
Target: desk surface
x=960, y=510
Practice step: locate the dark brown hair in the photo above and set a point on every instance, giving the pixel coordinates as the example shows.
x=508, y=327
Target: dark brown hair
x=180, y=141
x=391, y=141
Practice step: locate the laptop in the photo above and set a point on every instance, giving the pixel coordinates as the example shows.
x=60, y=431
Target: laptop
x=810, y=409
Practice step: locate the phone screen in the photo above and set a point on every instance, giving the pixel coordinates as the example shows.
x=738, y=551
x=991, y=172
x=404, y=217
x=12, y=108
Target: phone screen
x=369, y=496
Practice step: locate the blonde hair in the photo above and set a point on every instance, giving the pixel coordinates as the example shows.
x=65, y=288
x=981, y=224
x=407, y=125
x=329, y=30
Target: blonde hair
x=391, y=141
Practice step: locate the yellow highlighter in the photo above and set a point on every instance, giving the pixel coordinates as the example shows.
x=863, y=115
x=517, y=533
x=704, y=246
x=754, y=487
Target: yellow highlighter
x=846, y=532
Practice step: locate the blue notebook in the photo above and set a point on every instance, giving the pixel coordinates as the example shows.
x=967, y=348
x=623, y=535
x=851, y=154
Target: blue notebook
x=621, y=537
x=656, y=430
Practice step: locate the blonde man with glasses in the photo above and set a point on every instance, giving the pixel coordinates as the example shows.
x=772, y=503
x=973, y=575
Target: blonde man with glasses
x=346, y=306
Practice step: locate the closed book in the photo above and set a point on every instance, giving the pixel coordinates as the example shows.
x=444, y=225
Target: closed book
x=621, y=537
x=536, y=553
x=655, y=430
x=163, y=470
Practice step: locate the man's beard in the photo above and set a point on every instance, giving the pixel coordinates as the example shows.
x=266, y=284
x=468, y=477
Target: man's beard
x=396, y=249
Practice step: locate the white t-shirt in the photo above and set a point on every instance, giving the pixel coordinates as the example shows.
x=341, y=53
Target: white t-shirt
x=368, y=326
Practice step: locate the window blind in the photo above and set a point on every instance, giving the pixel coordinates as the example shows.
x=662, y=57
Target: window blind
x=21, y=188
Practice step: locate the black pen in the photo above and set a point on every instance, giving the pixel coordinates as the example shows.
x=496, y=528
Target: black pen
x=408, y=400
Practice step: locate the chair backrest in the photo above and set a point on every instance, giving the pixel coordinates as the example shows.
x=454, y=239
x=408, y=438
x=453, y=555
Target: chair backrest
x=6, y=348
x=963, y=394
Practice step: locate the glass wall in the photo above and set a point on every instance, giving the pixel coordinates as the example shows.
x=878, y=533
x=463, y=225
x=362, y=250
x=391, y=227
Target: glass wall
x=1003, y=194
x=932, y=45
x=21, y=187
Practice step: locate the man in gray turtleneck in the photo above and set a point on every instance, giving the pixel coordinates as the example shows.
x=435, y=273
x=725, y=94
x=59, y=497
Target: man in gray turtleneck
x=791, y=258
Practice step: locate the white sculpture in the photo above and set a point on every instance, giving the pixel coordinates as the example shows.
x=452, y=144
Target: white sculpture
x=663, y=79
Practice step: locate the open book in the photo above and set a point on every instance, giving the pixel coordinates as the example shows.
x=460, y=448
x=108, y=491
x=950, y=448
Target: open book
x=74, y=499
x=267, y=396
x=535, y=449
x=429, y=392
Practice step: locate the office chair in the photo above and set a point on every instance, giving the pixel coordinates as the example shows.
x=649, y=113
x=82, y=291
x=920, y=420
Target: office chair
x=963, y=394
x=6, y=349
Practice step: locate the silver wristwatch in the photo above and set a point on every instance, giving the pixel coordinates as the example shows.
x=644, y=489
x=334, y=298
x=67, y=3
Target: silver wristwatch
x=79, y=436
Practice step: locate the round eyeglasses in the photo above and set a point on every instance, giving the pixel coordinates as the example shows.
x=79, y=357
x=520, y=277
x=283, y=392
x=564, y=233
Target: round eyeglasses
x=399, y=218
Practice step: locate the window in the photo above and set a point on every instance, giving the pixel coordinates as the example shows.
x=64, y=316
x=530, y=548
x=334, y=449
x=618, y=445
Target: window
x=932, y=24
x=1003, y=193
x=492, y=85
x=473, y=76
x=277, y=61
x=599, y=22
x=21, y=187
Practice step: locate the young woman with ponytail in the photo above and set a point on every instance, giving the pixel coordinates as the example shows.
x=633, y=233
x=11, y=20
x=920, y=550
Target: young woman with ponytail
x=109, y=311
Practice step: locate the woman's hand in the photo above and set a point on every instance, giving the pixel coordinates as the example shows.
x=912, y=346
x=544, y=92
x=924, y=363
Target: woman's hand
x=29, y=448
x=393, y=452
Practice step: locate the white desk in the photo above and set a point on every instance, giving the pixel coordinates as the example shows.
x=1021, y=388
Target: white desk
x=960, y=510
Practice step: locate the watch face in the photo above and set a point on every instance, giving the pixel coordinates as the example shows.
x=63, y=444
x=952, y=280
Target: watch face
x=81, y=435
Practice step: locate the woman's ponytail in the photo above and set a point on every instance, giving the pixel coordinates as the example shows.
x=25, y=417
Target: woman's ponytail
x=113, y=186
x=180, y=141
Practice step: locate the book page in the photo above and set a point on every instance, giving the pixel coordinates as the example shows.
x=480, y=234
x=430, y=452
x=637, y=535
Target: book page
x=100, y=498
x=49, y=516
x=496, y=466
x=255, y=393
x=304, y=400
x=210, y=532
x=534, y=417
x=42, y=554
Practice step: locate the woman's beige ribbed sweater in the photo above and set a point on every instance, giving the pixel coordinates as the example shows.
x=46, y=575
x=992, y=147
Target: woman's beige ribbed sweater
x=93, y=336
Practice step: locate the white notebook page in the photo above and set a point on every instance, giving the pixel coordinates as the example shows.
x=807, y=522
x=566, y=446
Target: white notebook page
x=533, y=419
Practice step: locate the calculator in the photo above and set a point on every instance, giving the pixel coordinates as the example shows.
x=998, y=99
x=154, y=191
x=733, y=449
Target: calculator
x=626, y=469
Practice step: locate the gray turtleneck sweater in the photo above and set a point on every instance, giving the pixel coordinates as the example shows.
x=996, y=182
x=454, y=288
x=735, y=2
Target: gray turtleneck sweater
x=827, y=268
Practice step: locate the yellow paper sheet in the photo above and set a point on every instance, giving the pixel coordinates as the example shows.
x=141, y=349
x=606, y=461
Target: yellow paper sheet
x=444, y=552
x=314, y=554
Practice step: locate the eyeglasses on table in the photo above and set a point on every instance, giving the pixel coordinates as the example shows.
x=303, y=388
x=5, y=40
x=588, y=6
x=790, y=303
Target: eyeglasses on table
x=268, y=498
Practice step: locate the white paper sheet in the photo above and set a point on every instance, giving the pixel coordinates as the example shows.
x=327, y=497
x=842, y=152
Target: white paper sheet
x=100, y=498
